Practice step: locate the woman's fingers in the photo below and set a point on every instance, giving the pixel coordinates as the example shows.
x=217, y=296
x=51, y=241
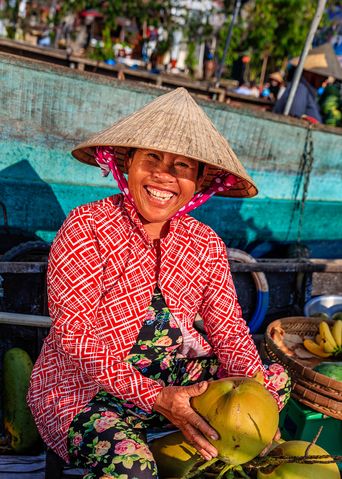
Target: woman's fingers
x=198, y=423
x=174, y=403
x=196, y=389
x=199, y=442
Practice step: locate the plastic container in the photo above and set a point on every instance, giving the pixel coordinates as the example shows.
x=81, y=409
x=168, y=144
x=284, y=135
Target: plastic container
x=300, y=422
x=328, y=304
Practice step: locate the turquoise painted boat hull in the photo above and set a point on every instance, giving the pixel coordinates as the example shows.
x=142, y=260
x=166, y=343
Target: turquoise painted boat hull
x=46, y=110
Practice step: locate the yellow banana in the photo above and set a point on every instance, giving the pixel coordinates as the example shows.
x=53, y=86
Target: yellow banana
x=319, y=340
x=337, y=332
x=328, y=347
x=329, y=341
x=315, y=349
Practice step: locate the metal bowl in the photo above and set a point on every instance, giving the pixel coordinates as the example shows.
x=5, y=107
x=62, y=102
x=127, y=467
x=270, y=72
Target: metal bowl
x=327, y=304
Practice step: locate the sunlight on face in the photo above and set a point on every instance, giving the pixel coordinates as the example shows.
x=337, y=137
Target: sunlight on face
x=161, y=183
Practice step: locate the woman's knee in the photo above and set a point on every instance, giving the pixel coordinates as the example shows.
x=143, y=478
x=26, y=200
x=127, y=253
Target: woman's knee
x=126, y=457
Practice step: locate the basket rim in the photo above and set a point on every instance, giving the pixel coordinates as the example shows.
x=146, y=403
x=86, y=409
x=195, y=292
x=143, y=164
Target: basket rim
x=313, y=385
x=315, y=400
x=316, y=407
x=295, y=364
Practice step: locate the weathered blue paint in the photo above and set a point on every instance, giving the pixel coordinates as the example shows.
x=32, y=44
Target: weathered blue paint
x=46, y=110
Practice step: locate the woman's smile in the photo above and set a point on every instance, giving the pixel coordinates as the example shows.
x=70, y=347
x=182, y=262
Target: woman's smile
x=160, y=195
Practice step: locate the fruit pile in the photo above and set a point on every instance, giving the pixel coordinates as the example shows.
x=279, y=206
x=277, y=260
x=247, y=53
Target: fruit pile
x=331, y=106
x=328, y=342
x=246, y=417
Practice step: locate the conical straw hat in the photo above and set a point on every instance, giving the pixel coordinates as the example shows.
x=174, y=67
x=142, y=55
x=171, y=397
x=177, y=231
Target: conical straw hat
x=277, y=76
x=322, y=60
x=172, y=123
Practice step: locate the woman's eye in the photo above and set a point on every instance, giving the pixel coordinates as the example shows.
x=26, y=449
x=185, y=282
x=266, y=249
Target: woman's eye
x=153, y=155
x=182, y=165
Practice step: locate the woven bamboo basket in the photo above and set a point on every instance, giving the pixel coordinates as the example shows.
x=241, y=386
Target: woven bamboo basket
x=311, y=388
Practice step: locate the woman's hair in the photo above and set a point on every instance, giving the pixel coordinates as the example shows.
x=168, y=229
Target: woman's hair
x=200, y=169
x=201, y=165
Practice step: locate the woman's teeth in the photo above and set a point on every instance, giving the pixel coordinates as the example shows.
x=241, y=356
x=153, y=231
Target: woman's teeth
x=160, y=195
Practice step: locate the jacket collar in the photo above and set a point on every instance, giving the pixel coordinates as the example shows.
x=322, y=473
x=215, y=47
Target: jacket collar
x=136, y=222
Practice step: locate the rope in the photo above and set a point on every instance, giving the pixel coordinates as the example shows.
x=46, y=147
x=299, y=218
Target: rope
x=303, y=176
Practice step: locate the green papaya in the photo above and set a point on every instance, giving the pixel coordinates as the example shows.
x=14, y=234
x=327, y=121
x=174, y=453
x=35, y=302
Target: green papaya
x=332, y=369
x=18, y=421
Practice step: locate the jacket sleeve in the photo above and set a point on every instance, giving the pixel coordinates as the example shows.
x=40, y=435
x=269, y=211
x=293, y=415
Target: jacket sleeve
x=227, y=331
x=75, y=275
x=299, y=104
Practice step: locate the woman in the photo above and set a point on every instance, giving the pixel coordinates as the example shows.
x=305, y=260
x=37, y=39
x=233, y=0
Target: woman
x=127, y=277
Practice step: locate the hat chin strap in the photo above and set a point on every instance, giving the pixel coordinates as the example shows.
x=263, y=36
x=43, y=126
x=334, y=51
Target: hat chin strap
x=106, y=159
x=222, y=182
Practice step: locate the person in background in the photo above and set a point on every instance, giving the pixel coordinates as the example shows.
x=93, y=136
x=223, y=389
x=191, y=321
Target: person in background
x=320, y=63
x=127, y=276
x=248, y=88
x=277, y=86
x=305, y=102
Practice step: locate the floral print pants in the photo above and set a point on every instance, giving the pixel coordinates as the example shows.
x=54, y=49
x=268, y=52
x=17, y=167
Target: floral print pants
x=109, y=436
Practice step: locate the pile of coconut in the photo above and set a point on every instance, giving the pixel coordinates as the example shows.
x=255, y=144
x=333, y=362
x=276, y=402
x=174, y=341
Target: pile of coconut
x=246, y=417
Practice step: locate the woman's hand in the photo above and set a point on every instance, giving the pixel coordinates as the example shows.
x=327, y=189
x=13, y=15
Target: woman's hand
x=173, y=402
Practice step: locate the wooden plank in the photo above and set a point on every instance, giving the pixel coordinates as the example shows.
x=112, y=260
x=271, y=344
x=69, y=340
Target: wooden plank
x=266, y=265
x=290, y=266
x=22, y=267
x=60, y=57
x=24, y=319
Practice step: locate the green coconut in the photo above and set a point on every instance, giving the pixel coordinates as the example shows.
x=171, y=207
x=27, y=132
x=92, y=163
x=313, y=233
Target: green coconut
x=244, y=414
x=296, y=470
x=173, y=455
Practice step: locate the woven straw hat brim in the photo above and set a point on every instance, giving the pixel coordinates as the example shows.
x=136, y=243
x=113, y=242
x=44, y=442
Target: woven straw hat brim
x=172, y=123
x=323, y=61
x=277, y=77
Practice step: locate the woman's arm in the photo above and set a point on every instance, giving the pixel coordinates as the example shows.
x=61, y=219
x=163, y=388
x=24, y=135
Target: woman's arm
x=227, y=331
x=75, y=275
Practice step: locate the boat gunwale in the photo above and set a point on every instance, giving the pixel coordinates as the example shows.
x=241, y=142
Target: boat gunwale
x=33, y=64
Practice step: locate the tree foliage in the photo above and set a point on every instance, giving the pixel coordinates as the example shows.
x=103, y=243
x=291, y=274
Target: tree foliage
x=273, y=28
x=276, y=28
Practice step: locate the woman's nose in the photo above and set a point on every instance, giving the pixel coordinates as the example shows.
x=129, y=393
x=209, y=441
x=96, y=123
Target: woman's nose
x=164, y=170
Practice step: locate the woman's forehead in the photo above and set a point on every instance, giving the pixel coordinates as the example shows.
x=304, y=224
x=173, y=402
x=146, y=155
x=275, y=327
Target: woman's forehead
x=162, y=153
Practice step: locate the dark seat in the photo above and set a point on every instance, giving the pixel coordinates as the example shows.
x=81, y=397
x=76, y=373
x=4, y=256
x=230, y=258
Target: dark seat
x=56, y=468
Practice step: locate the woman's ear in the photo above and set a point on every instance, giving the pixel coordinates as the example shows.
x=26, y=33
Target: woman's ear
x=201, y=178
x=128, y=161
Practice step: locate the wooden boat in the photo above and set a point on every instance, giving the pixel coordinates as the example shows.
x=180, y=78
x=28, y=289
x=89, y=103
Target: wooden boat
x=205, y=89
x=47, y=109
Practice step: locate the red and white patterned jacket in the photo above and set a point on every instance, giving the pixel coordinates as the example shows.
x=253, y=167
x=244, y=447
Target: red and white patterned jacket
x=103, y=270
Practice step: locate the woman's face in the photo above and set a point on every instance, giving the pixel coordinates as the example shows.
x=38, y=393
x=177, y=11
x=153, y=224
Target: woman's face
x=161, y=183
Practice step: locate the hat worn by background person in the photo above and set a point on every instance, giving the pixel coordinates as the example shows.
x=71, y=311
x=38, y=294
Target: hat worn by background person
x=323, y=61
x=276, y=76
x=320, y=63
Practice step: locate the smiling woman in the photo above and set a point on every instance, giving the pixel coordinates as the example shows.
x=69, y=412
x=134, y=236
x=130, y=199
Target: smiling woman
x=127, y=277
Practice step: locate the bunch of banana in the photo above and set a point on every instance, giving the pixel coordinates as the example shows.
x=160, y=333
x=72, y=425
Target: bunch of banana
x=328, y=342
